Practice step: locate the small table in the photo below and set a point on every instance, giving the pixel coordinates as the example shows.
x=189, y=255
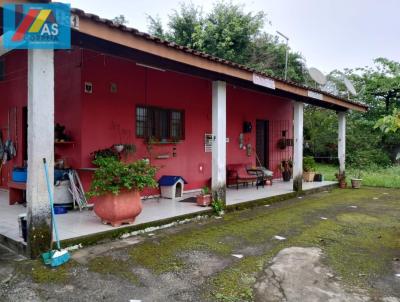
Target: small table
x=259, y=174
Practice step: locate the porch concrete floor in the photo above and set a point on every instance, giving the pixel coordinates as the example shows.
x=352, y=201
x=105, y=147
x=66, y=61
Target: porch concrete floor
x=77, y=224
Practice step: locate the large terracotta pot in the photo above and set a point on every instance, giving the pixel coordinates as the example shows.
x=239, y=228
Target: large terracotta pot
x=203, y=200
x=118, y=209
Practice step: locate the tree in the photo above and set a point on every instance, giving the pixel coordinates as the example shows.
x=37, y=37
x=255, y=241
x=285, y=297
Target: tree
x=183, y=25
x=229, y=32
x=120, y=20
x=377, y=86
x=268, y=55
x=155, y=27
x=389, y=123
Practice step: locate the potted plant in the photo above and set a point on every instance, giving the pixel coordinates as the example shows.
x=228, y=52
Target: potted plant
x=282, y=143
x=359, y=162
x=204, y=198
x=286, y=167
x=341, y=177
x=107, y=152
x=117, y=186
x=309, y=168
x=356, y=180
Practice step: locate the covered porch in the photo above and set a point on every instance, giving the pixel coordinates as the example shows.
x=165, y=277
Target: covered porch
x=75, y=225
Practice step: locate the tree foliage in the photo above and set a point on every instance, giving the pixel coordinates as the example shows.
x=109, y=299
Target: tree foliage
x=229, y=32
x=378, y=86
x=120, y=20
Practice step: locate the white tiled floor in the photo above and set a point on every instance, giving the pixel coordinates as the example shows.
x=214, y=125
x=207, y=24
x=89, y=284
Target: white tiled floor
x=76, y=224
x=234, y=196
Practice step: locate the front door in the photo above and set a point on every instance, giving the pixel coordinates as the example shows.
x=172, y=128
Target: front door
x=262, y=138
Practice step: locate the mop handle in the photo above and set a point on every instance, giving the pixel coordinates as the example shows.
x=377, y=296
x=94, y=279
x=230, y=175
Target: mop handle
x=51, y=203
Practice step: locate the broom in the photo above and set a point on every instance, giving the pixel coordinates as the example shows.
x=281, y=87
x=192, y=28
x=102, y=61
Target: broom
x=53, y=257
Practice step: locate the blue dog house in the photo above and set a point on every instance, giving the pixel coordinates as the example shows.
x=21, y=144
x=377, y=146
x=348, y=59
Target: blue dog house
x=171, y=186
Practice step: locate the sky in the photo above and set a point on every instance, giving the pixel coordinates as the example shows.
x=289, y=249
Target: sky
x=330, y=34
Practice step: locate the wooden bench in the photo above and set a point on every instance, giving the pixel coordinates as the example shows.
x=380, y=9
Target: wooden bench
x=16, y=192
x=237, y=174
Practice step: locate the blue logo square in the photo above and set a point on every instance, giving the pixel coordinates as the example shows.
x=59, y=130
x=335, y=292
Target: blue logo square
x=37, y=26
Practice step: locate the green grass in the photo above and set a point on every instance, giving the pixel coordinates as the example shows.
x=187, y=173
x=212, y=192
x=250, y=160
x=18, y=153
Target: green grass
x=373, y=177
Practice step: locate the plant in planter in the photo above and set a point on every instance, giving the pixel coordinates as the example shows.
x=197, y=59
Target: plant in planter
x=117, y=186
x=356, y=180
x=282, y=143
x=286, y=168
x=104, y=153
x=204, y=198
x=309, y=168
x=341, y=177
x=358, y=164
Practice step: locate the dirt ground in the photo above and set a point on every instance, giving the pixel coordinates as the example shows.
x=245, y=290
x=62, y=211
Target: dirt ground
x=342, y=245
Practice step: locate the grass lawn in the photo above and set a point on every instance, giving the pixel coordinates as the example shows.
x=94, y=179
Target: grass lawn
x=373, y=177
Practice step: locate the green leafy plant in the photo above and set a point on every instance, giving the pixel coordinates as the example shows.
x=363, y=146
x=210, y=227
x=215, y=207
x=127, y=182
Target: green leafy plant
x=286, y=165
x=205, y=190
x=218, y=206
x=114, y=176
x=105, y=153
x=309, y=164
x=358, y=165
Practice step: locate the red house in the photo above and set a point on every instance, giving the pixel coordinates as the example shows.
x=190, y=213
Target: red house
x=120, y=86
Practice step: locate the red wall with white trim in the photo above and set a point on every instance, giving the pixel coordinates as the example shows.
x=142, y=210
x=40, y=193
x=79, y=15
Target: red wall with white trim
x=103, y=118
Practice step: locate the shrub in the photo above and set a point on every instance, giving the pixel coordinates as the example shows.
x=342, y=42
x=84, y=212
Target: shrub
x=309, y=164
x=113, y=176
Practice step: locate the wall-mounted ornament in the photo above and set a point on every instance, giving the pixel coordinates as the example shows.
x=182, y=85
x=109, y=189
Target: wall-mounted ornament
x=113, y=88
x=89, y=87
x=249, y=150
x=241, y=141
x=247, y=127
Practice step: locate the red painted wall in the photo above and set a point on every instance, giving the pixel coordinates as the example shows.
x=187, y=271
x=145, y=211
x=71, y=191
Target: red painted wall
x=248, y=106
x=13, y=94
x=103, y=118
x=109, y=118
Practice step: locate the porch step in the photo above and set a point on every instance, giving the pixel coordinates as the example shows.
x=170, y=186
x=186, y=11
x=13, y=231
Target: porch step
x=13, y=245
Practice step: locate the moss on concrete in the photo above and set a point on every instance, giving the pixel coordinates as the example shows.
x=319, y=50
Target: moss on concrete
x=358, y=243
x=118, y=232
x=45, y=274
x=106, y=265
x=39, y=239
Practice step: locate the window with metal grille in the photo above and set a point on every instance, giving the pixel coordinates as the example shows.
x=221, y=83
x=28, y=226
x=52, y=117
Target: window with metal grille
x=159, y=123
x=2, y=70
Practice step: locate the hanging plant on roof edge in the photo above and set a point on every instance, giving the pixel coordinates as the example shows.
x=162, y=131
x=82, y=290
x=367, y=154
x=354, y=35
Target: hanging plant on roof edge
x=116, y=188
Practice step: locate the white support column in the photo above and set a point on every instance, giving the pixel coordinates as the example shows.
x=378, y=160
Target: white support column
x=40, y=145
x=218, y=180
x=342, y=141
x=298, y=146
